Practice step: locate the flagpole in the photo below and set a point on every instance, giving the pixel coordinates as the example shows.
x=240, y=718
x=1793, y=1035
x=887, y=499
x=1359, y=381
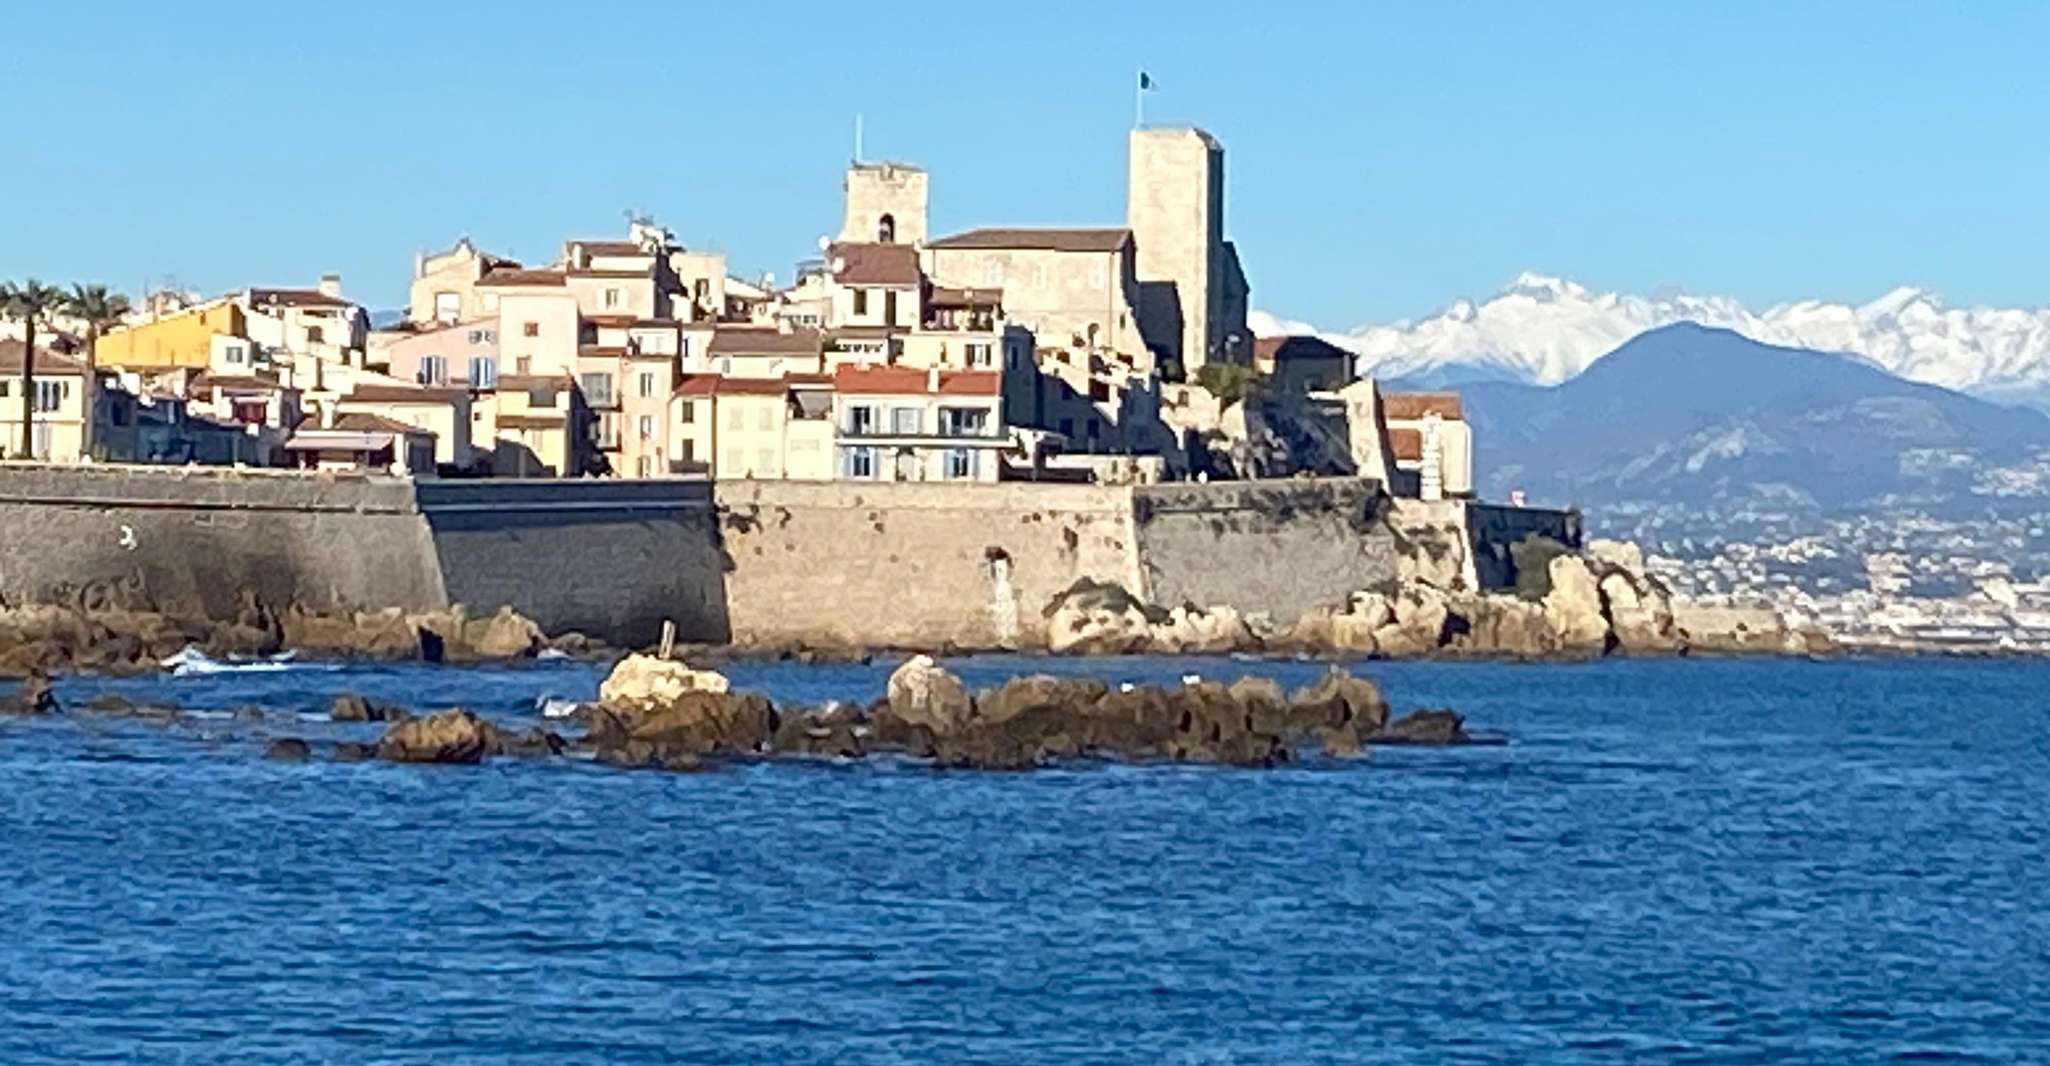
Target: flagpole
x=1139, y=101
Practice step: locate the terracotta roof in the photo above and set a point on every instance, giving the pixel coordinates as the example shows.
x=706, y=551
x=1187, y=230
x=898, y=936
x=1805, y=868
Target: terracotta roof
x=879, y=380
x=808, y=379
x=731, y=385
x=763, y=340
x=1057, y=240
x=942, y=296
x=364, y=422
x=234, y=381
x=873, y=264
x=971, y=383
x=402, y=394
x=612, y=248
x=502, y=277
x=697, y=385
x=637, y=275
x=1409, y=406
x=296, y=298
x=47, y=361
x=611, y=351
x=535, y=420
x=527, y=382
x=1407, y=444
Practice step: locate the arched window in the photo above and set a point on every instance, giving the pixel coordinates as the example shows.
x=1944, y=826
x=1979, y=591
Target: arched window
x=886, y=229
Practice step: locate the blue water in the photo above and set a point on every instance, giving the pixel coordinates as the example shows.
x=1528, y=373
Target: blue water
x=1675, y=861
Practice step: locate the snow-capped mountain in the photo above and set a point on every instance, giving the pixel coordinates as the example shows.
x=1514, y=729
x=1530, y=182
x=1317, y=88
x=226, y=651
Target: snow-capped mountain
x=1545, y=330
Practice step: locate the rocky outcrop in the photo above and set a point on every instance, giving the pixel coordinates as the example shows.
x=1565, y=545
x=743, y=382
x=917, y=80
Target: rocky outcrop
x=1030, y=721
x=650, y=680
x=923, y=695
x=453, y=736
x=1102, y=618
x=288, y=749
x=354, y=708
x=32, y=696
x=1424, y=727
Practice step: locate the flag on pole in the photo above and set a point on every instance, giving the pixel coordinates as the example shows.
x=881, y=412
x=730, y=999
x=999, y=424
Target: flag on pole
x=1146, y=85
x=1146, y=82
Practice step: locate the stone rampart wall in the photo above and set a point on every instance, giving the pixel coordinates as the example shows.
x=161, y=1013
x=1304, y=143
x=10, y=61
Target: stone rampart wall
x=1280, y=547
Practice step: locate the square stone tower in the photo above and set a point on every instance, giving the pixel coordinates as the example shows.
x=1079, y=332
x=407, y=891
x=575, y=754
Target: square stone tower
x=885, y=204
x=1189, y=282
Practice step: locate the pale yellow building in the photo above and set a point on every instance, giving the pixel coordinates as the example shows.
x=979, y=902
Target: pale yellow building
x=444, y=413
x=61, y=402
x=1428, y=434
x=444, y=288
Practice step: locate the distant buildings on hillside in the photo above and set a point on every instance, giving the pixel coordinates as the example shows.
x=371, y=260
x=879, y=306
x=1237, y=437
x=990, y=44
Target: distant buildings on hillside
x=1106, y=352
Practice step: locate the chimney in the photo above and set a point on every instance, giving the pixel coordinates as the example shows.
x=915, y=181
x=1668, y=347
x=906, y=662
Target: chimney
x=331, y=286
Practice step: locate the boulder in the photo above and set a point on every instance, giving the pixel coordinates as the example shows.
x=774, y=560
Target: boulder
x=1640, y=614
x=1338, y=699
x=1099, y=618
x=1424, y=727
x=1573, y=605
x=1194, y=630
x=32, y=696
x=288, y=749
x=651, y=681
x=533, y=743
x=504, y=635
x=833, y=732
x=452, y=736
x=1037, y=693
x=1616, y=554
x=694, y=723
x=350, y=707
x=1507, y=625
x=354, y=751
x=923, y=694
x=1419, y=625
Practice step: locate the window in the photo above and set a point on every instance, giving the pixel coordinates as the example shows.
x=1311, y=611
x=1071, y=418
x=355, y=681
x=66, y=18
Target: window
x=647, y=384
x=886, y=229
x=612, y=297
x=733, y=464
x=960, y=463
x=433, y=370
x=738, y=419
x=904, y=421
x=523, y=364
x=448, y=306
x=861, y=462
x=234, y=354
x=530, y=329
x=690, y=412
x=51, y=394
x=1067, y=427
x=964, y=421
x=608, y=430
x=767, y=419
x=861, y=301
x=978, y=355
x=647, y=426
x=765, y=460
x=597, y=389
x=1099, y=391
x=861, y=420
x=690, y=451
x=314, y=335
x=476, y=336
x=483, y=371
x=644, y=467
x=6, y=389
x=889, y=307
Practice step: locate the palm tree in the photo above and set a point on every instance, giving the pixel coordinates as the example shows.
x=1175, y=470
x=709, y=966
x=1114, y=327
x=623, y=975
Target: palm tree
x=98, y=307
x=31, y=301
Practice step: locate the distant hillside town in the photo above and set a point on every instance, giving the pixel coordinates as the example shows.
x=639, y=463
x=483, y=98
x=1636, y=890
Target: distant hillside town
x=1113, y=354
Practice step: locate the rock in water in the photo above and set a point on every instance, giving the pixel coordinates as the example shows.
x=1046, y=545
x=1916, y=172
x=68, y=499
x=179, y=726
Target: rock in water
x=923, y=693
x=1425, y=727
x=353, y=708
x=33, y=697
x=454, y=736
x=1339, y=699
x=288, y=749
x=652, y=681
x=505, y=635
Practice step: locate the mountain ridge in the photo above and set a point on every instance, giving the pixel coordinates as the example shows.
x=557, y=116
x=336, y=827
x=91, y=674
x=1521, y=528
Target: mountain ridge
x=1546, y=330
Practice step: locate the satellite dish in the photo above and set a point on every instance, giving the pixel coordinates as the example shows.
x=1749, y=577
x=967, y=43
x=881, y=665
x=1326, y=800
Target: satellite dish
x=825, y=242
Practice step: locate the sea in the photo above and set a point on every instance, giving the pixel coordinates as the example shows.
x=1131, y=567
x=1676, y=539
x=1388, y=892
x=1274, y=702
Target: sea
x=1668, y=861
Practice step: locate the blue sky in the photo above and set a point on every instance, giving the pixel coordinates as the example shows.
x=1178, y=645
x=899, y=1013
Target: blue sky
x=1382, y=159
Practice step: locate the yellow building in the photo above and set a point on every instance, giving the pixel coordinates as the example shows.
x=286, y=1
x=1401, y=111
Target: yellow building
x=181, y=340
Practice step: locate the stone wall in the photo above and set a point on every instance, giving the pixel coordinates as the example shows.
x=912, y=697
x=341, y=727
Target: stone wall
x=914, y=564
x=200, y=540
x=1282, y=547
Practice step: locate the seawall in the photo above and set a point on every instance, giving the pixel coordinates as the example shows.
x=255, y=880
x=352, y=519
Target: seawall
x=751, y=562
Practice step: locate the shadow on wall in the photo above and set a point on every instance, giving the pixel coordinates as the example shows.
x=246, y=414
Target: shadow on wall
x=610, y=558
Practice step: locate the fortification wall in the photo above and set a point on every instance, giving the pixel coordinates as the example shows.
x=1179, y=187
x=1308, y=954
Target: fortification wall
x=611, y=558
x=1282, y=547
x=198, y=541
x=914, y=564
